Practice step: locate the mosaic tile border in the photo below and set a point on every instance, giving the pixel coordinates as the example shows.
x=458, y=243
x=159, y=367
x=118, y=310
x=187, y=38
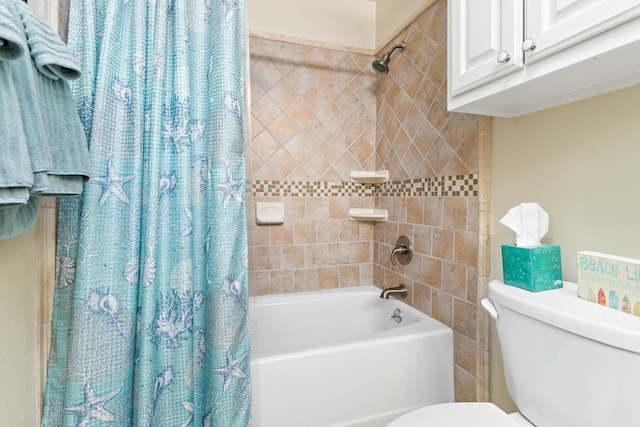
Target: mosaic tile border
x=309, y=189
x=458, y=185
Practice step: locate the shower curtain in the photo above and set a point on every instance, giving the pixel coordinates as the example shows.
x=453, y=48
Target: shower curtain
x=150, y=309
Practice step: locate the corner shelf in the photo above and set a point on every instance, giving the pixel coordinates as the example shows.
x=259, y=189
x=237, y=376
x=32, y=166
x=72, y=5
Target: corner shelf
x=365, y=177
x=373, y=215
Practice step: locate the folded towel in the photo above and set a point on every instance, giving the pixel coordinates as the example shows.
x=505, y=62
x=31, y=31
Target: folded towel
x=11, y=44
x=54, y=136
x=16, y=178
x=15, y=220
x=46, y=184
x=24, y=80
x=49, y=52
x=43, y=147
x=67, y=143
x=14, y=196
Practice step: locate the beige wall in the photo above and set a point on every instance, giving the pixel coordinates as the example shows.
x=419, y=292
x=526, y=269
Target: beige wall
x=581, y=163
x=18, y=330
x=392, y=15
x=334, y=22
x=361, y=25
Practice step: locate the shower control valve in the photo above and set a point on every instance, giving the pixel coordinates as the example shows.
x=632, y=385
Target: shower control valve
x=403, y=251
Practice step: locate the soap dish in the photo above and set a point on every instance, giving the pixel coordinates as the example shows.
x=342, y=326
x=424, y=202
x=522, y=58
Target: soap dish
x=269, y=213
x=365, y=177
x=375, y=215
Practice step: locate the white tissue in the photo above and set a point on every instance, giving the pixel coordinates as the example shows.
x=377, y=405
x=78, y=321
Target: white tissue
x=529, y=221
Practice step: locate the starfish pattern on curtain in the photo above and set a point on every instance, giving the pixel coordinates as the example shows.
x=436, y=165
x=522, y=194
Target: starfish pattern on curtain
x=150, y=310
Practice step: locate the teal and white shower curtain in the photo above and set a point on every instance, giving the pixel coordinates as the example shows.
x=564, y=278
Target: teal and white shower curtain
x=150, y=311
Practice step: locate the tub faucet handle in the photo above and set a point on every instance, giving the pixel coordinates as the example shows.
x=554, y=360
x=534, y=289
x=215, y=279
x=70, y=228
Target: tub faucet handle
x=397, y=251
x=403, y=251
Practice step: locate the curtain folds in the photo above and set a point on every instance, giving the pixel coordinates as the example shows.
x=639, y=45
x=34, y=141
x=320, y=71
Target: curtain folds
x=150, y=310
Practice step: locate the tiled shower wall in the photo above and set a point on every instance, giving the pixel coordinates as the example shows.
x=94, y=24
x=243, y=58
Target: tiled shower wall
x=313, y=122
x=318, y=114
x=418, y=140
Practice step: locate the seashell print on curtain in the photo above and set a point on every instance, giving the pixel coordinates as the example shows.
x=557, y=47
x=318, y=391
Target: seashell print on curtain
x=150, y=311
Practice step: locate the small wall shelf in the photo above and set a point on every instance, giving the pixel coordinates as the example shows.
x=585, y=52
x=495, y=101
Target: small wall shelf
x=269, y=213
x=366, y=177
x=374, y=215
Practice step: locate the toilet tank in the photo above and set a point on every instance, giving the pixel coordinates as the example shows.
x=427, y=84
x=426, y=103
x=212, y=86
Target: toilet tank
x=568, y=362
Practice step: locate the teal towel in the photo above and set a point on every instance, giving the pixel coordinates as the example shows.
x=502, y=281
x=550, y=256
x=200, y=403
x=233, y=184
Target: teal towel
x=49, y=53
x=24, y=79
x=16, y=178
x=66, y=138
x=11, y=43
x=54, y=135
x=15, y=220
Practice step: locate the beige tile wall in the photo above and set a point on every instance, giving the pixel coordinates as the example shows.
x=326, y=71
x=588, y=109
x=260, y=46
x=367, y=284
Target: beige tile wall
x=418, y=138
x=318, y=114
x=313, y=122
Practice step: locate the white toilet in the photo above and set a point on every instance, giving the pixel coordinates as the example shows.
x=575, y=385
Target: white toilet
x=567, y=363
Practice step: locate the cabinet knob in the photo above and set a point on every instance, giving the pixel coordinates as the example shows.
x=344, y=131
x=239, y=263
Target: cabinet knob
x=528, y=45
x=504, y=56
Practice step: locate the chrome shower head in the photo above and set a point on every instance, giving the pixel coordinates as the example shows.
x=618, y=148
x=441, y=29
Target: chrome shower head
x=382, y=65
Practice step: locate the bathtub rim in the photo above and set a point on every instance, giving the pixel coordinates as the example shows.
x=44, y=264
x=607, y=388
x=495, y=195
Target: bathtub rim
x=423, y=327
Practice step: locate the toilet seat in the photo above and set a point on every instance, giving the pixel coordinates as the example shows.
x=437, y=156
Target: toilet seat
x=471, y=414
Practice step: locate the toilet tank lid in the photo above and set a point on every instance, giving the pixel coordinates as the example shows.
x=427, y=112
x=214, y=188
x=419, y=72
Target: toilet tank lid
x=563, y=309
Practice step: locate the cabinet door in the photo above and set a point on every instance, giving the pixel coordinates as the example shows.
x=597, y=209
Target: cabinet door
x=556, y=24
x=479, y=30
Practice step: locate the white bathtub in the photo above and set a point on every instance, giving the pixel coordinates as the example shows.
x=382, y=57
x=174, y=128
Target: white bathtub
x=337, y=358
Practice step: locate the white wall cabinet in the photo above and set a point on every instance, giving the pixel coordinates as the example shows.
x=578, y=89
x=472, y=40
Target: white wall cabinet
x=512, y=57
x=480, y=30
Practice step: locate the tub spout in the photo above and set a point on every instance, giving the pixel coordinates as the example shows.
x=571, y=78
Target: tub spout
x=398, y=291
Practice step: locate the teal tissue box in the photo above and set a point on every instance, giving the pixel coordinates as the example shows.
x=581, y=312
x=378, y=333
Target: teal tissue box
x=537, y=268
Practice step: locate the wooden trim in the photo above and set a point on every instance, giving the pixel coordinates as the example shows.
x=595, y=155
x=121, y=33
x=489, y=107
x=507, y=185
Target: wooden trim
x=484, y=259
x=45, y=282
x=311, y=43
